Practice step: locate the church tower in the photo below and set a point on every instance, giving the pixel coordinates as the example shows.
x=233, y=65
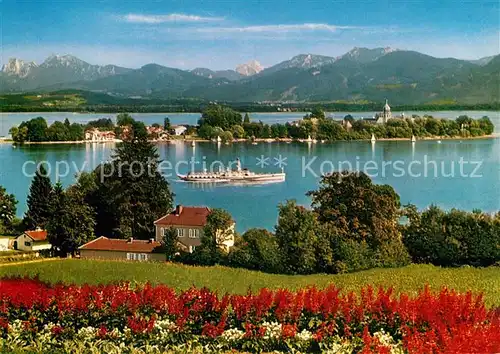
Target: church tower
x=386, y=114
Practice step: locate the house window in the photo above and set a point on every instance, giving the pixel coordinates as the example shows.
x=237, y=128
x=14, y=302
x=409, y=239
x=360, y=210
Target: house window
x=144, y=257
x=180, y=232
x=27, y=244
x=194, y=233
x=130, y=256
x=163, y=232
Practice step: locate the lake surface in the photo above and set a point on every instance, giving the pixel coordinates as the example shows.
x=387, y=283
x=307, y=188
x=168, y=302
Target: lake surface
x=422, y=173
x=8, y=120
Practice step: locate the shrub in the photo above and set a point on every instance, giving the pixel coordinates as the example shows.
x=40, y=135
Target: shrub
x=452, y=238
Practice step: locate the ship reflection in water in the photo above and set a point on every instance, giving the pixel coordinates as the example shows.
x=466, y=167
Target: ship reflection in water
x=237, y=176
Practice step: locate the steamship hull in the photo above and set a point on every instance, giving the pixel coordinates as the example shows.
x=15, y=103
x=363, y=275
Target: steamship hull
x=202, y=178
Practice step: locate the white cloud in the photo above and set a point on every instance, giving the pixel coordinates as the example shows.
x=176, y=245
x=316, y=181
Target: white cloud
x=153, y=19
x=280, y=28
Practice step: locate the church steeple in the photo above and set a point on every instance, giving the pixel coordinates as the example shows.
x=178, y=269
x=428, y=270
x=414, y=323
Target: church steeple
x=386, y=114
x=387, y=108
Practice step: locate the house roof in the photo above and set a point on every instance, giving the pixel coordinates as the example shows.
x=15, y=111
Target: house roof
x=112, y=244
x=185, y=216
x=37, y=235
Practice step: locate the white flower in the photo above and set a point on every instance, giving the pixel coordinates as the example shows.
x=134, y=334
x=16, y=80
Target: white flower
x=304, y=335
x=384, y=338
x=87, y=333
x=166, y=325
x=232, y=335
x=273, y=330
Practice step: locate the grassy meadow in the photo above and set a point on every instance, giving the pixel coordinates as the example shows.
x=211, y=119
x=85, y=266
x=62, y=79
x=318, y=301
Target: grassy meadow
x=408, y=279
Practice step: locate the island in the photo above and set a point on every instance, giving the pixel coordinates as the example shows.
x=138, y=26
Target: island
x=223, y=124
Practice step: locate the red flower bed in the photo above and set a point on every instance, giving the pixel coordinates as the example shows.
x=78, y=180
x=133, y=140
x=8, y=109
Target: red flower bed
x=444, y=322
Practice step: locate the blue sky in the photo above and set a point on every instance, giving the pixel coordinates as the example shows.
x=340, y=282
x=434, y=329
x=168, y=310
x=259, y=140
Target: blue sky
x=220, y=34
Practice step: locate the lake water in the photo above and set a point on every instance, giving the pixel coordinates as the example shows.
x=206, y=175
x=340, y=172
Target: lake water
x=422, y=173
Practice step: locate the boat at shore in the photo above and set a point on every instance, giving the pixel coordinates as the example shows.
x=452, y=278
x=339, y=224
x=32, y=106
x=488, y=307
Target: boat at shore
x=239, y=175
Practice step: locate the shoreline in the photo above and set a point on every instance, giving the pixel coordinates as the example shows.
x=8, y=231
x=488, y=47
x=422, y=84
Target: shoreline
x=259, y=140
x=312, y=104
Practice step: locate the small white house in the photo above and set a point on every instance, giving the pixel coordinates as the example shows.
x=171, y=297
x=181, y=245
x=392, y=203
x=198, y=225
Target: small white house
x=32, y=241
x=178, y=129
x=5, y=243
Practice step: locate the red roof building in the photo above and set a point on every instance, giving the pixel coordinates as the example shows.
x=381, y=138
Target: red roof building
x=189, y=223
x=33, y=240
x=185, y=216
x=119, y=249
x=37, y=235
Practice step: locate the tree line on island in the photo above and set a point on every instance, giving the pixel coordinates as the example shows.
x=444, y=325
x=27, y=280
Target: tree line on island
x=228, y=124
x=352, y=224
x=222, y=121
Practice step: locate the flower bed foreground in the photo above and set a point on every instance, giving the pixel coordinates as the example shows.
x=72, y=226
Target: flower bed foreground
x=122, y=318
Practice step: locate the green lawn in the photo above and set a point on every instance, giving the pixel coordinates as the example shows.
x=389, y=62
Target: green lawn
x=408, y=279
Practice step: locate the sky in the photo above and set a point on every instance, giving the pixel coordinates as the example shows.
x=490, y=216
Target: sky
x=219, y=34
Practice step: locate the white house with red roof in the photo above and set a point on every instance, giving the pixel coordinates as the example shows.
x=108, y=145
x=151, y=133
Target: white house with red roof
x=35, y=240
x=189, y=223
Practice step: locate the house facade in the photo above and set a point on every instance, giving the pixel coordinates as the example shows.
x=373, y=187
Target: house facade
x=178, y=129
x=118, y=249
x=97, y=135
x=35, y=240
x=189, y=223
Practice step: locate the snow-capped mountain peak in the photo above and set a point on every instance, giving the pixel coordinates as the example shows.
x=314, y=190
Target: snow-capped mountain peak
x=18, y=67
x=251, y=68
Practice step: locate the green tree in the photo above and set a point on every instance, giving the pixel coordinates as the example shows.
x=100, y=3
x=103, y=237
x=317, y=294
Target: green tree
x=486, y=125
x=238, y=131
x=58, y=132
x=226, y=136
x=220, y=116
x=131, y=192
x=76, y=132
x=19, y=135
x=101, y=124
x=124, y=119
x=362, y=212
x=451, y=238
x=258, y=250
x=247, y=118
x=166, y=124
x=218, y=229
x=37, y=129
x=296, y=238
x=206, y=131
x=317, y=112
x=71, y=223
x=7, y=209
x=39, y=202
x=170, y=243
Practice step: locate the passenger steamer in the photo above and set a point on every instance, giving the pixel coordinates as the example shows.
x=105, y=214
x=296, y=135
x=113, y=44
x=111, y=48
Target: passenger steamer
x=233, y=176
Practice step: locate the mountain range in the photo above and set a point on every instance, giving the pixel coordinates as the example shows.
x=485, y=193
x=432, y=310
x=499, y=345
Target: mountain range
x=362, y=74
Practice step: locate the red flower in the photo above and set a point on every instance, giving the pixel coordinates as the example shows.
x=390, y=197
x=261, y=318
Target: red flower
x=102, y=332
x=288, y=330
x=56, y=331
